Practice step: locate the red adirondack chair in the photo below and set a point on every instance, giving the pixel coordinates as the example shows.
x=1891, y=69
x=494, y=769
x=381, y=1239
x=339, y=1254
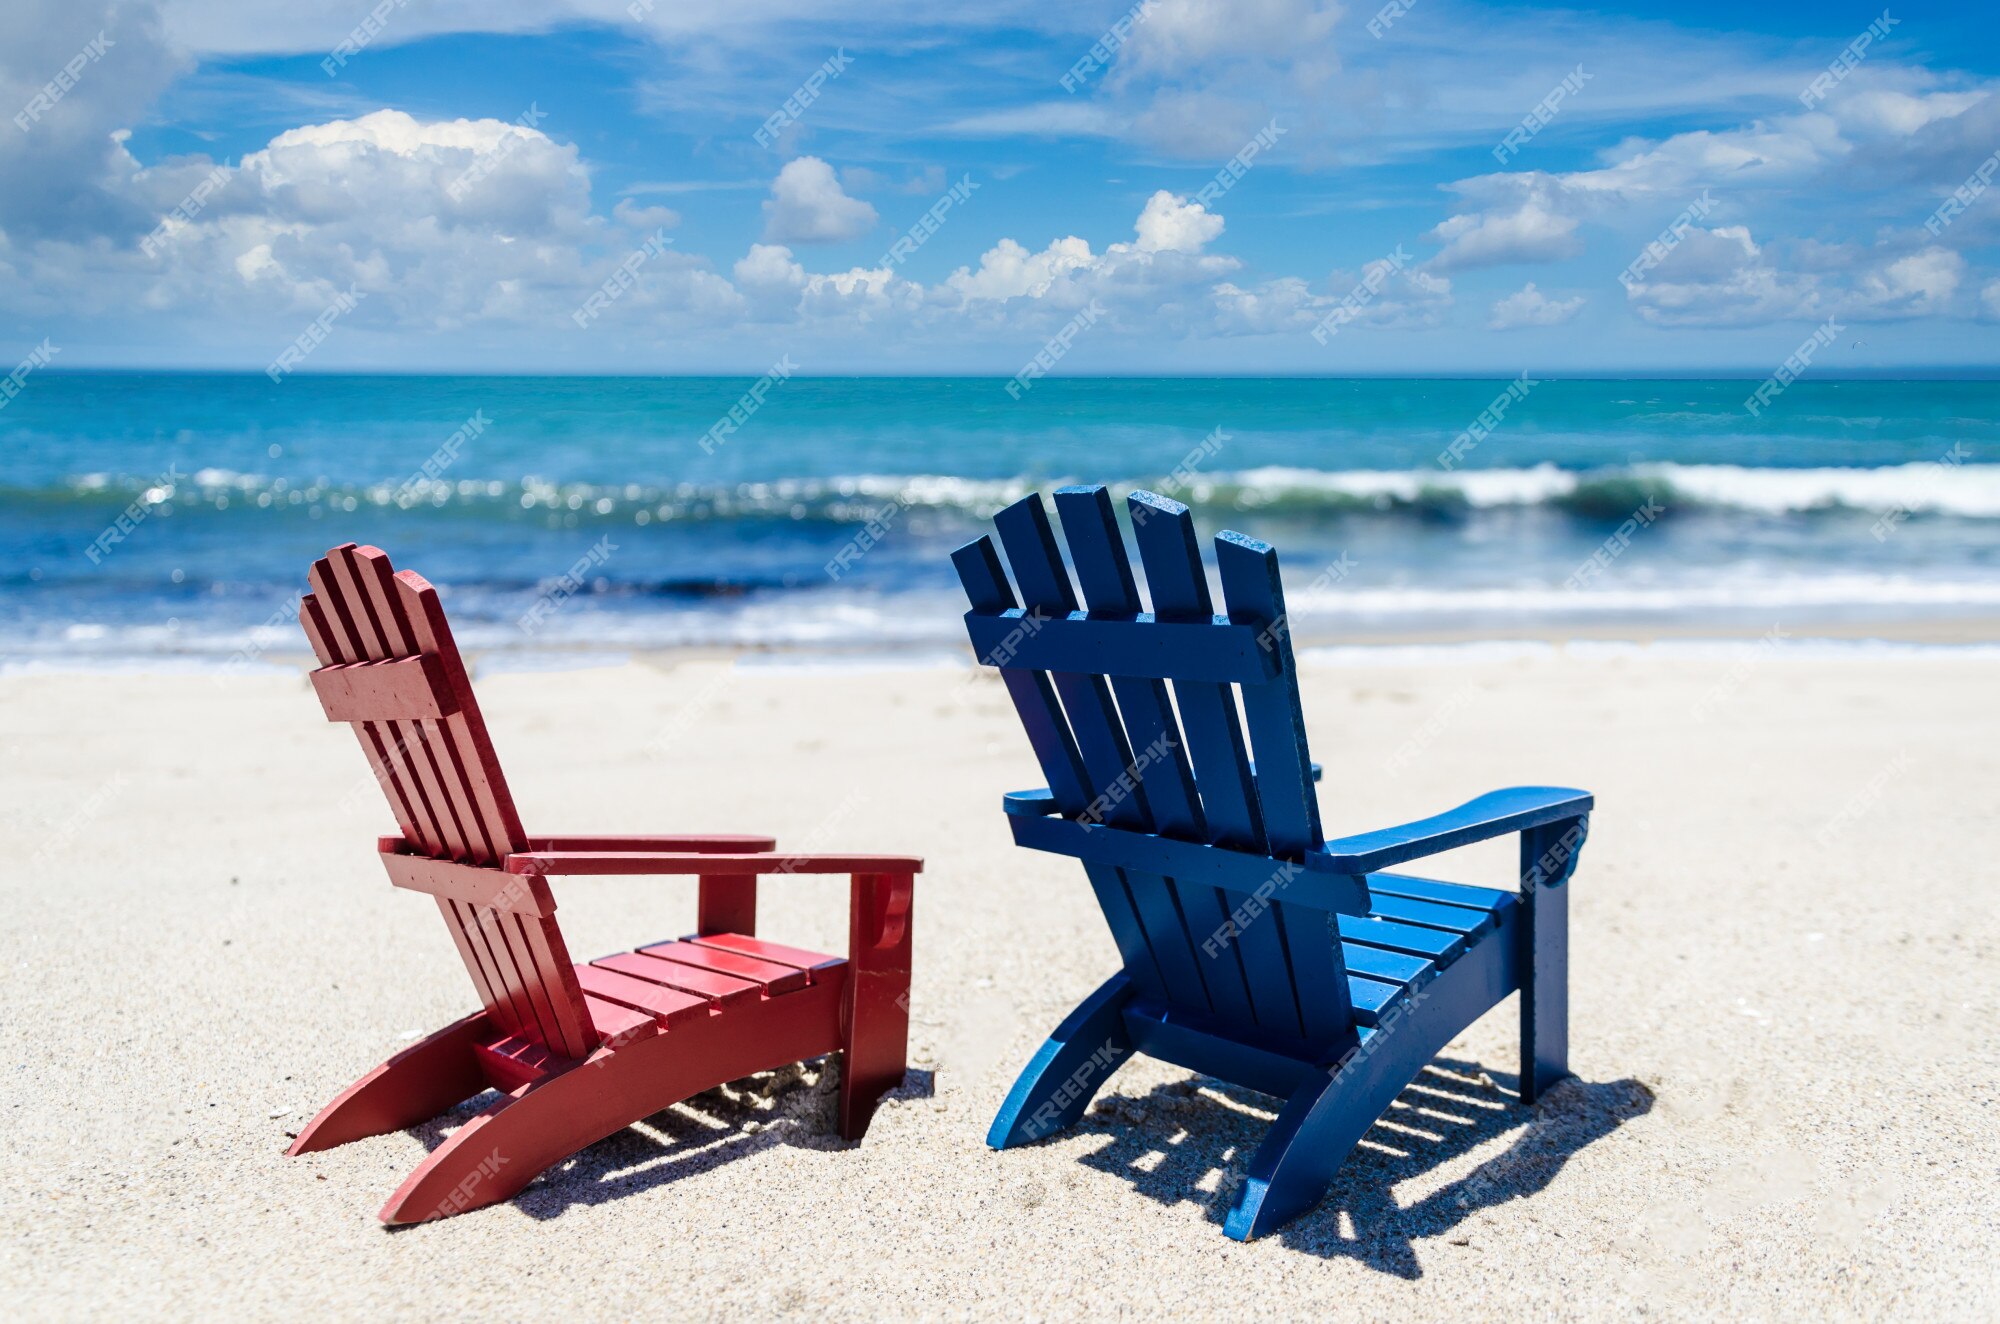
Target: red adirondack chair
x=577, y=1052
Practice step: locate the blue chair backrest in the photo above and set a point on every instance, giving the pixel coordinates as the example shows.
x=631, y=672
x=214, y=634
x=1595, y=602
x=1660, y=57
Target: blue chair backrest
x=1134, y=719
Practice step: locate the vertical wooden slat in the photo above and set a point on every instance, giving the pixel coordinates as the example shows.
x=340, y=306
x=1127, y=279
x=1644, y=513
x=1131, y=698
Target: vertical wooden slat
x=486, y=805
x=1255, y=596
x=986, y=588
x=372, y=578
x=357, y=641
x=1164, y=531
x=1030, y=543
x=337, y=576
x=492, y=992
x=1090, y=526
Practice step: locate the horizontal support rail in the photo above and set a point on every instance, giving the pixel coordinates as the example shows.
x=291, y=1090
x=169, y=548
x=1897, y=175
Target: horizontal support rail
x=653, y=862
x=1139, y=646
x=1195, y=862
x=471, y=883
x=391, y=690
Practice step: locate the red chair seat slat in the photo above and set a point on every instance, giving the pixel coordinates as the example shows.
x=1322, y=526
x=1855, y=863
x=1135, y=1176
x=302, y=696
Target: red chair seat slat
x=775, y=952
x=669, y=1006
x=774, y=978
x=719, y=989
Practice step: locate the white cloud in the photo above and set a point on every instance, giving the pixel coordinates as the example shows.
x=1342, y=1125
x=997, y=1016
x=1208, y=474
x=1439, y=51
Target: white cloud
x=1990, y=298
x=1170, y=224
x=770, y=280
x=1917, y=285
x=1528, y=306
x=808, y=206
x=1010, y=271
x=1530, y=231
x=1721, y=277
x=640, y=217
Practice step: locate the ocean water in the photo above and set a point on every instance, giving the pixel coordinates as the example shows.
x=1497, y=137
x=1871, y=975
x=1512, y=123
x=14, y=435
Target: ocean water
x=175, y=514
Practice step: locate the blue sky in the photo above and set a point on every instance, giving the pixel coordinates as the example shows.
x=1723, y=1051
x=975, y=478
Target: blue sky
x=203, y=192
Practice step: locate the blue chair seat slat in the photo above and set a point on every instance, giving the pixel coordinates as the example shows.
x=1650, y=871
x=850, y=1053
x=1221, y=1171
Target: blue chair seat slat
x=1435, y=944
x=1451, y=894
x=1431, y=914
x=1370, y=997
x=1378, y=963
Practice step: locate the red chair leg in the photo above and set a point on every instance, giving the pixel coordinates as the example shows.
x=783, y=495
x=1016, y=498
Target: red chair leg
x=414, y=1086
x=875, y=1020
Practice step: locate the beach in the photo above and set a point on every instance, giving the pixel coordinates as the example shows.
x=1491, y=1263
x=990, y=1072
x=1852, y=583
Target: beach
x=1782, y=962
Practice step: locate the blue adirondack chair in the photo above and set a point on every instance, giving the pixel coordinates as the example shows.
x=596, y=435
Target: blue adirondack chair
x=1254, y=950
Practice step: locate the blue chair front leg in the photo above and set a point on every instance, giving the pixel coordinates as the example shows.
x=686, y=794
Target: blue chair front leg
x=1067, y=1072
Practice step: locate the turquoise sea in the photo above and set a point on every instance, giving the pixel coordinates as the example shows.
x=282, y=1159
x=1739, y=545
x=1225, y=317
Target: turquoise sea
x=825, y=518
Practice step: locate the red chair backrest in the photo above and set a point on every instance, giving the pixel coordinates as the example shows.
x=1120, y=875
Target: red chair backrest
x=389, y=669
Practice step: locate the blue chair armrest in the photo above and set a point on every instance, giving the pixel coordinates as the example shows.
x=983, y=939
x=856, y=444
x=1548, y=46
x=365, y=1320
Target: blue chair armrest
x=1494, y=814
x=1040, y=801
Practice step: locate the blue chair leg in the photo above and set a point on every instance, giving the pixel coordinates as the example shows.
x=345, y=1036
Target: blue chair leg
x=1318, y=1127
x=1067, y=1071
x=1547, y=857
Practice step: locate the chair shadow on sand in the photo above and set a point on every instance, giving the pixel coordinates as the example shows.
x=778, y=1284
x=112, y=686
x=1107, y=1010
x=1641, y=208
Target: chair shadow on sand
x=794, y=1106
x=1190, y=1140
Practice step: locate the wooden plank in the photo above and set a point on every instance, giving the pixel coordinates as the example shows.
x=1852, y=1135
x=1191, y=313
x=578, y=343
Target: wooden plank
x=726, y=903
x=1391, y=967
x=401, y=688
x=1140, y=647
x=669, y=1006
x=1255, y=595
x=647, y=862
x=1433, y=944
x=1452, y=919
x=1242, y=872
x=1494, y=814
x=335, y=614
x=1118, y=795
x=1045, y=587
x=815, y=964
x=775, y=978
x=525, y=951
x=526, y=894
x=723, y=843
x=1090, y=526
x=467, y=728
x=1164, y=531
x=1370, y=997
x=1450, y=894
x=986, y=588
x=618, y=1024
x=1256, y=598
x=723, y=990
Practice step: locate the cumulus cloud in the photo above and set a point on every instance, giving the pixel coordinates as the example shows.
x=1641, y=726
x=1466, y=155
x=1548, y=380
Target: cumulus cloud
x=808, y=206
x=1917, y=285
x=1721, y=277
x=1528, y=306
x=1532, y=230
x=1173, y=225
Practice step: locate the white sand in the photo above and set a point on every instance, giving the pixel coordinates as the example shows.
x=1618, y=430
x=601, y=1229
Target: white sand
x=1786, y=1101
